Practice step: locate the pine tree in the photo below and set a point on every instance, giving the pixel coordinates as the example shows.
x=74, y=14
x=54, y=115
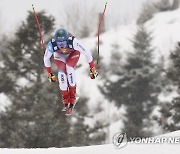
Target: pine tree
x=147, y=12
x=84, y=31
x=6, y=84
x=175, y=4
x=137, y=87
x=170, y=111
x=116, y=59
x=163, y=5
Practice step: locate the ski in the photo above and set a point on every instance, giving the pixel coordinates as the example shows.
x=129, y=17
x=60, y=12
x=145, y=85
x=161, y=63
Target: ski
x=77, y=98
x=68, y=109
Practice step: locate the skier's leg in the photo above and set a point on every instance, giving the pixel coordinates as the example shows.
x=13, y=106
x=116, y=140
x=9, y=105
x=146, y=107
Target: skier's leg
x=72, y=84
x=63, y=84
x=70, y=64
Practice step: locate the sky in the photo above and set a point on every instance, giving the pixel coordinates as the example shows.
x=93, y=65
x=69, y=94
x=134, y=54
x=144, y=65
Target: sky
x=13, y=12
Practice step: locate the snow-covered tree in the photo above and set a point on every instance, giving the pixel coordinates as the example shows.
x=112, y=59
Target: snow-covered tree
x=170, y=111
x=163, y=5
x=137, y=87
x=175, y=4
x=147, y=12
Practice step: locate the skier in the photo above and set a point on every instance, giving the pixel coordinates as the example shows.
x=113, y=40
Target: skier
x=66, y=50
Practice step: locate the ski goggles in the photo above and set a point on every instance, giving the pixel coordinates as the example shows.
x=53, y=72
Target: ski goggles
x=62, y=44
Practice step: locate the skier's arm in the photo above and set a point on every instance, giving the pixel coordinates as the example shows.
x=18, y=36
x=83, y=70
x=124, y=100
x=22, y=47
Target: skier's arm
x=47, y=63
x=78, y=46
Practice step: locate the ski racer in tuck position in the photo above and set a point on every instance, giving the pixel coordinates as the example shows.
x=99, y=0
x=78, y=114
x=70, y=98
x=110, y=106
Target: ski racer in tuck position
x=66, y=50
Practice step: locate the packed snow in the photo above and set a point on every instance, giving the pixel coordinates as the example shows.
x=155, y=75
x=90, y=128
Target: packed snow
x=165, y=32
x=135, y=148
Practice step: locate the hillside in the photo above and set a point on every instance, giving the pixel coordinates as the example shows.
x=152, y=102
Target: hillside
x=165, y=33
x=134, y=148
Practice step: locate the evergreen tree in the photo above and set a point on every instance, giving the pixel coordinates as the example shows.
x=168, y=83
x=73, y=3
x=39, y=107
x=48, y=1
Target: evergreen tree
x=137, y=87
x=88, y=135
x=147, y=12
x=170, y=111
x=149, y=9
x=116, y=59
x=6, y=84
x=163, y=5
x=84, y=31
x=175, y=4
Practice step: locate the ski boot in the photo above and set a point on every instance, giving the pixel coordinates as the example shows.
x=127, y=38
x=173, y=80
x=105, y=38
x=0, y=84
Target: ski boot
x=72, y=100
x=72, y=95
x=65, y=107
x=65, y=99
x=69, y=110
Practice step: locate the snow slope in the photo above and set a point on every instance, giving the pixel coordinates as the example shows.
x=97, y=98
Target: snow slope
x=165, y=28
x=130, y=148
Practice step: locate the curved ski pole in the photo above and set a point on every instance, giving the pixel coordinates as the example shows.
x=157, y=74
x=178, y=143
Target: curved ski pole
x=102, y=16
x=39, y=28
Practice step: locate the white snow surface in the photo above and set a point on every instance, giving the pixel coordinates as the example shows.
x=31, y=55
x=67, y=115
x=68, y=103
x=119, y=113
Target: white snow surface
x=130, y=148
x=165, y=32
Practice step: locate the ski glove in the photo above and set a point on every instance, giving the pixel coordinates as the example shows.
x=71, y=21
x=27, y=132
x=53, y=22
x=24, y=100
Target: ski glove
x=52, y=77
x=93, y=73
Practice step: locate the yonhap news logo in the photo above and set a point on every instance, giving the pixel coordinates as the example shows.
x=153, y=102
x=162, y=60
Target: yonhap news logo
x=120, y=140
x=155, y=140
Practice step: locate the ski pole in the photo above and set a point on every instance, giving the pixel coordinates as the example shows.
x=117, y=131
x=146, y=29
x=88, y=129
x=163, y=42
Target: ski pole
x=99, y=27
x=39, y=28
